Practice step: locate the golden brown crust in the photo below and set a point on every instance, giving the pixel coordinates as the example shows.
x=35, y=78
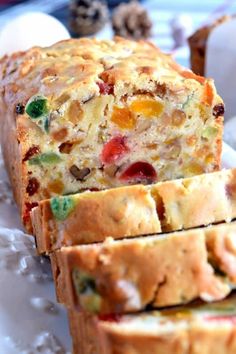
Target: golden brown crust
x=123, y=212
x=156, y=271
x=136, y=210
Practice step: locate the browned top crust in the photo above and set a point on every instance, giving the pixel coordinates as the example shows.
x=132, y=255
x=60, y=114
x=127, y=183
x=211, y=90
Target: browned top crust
x=119, y=62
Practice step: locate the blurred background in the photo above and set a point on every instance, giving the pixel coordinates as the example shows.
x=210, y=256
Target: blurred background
x=172, y=20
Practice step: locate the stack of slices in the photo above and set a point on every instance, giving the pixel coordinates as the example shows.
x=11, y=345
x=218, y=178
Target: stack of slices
x=114, y=153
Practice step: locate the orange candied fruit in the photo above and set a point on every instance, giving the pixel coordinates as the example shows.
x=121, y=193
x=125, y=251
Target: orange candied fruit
x=122, y=117
x=56, y=186
x=148, y=108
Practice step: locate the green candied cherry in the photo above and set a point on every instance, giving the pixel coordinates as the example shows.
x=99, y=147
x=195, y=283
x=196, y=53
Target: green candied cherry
x=37, y=109
x=61, y=207
x=45, y=158
x=85, y=287
x=210, y=133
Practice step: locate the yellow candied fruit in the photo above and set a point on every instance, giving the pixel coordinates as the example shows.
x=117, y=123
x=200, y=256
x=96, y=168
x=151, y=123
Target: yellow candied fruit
x=122, y=117
x=155, y=158
x=148, y=108
x=56, y=186
x=193, y=169
x=151, y=146
x=209, y=159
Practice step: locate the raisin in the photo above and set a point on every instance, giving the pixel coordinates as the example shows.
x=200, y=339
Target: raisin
x=113, y=150
x=110, y=318
x=105, y=89
x=218, y=110
x=28, y=208
x=139, y=172
x=60, y=134
x=79, y=174
x=20, y=108
x=31, y=152
x=33, y=186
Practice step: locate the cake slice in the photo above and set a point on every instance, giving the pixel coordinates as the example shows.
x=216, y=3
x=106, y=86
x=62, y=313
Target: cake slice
x=135, y=210
x=90, y=114
x=194, y=329
x=147, y=272
x=198, y=44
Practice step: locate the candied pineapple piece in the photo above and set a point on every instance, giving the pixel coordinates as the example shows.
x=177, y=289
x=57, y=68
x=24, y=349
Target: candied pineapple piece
x=193, y=169
x=147, y=107
x=122, y=117
x=56, y=186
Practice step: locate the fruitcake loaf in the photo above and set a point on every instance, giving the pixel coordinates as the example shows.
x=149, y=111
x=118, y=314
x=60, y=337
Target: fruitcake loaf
x=156, y=271
x=135, y=210
x=198, y=45
x=90, y=114
x=194, y=329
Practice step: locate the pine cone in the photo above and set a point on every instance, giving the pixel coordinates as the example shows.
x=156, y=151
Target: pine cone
x=88, y=16
x=131, y=21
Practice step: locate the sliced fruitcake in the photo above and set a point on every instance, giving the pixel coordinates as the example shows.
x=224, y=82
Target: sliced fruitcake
x=135, y=210
x=90, y=114
x=194, y=329
x=147, y=272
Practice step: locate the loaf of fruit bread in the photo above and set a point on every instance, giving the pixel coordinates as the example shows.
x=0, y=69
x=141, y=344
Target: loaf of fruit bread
x=135, y=210
x=130, y=275
x=198, y=44
x=194, y=329
x=90, y=114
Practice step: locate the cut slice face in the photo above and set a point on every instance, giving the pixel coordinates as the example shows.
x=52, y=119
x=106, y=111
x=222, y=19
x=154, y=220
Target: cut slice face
x=198, y=328
x=135, y=210
x=120, y=110
x=147, y=272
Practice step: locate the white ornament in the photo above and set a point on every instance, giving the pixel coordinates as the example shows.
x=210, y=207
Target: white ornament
x=31, y=29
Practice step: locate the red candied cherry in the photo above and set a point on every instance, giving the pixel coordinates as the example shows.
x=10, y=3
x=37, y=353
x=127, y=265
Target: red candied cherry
x=105, y=88
x=114, y=149
x=139, y=172
x=229, y=318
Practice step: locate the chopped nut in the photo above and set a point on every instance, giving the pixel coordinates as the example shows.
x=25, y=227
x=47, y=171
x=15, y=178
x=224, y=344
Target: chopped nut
x=60, y=134
x=110, y=170
x=79, y=174
x=66, y=147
